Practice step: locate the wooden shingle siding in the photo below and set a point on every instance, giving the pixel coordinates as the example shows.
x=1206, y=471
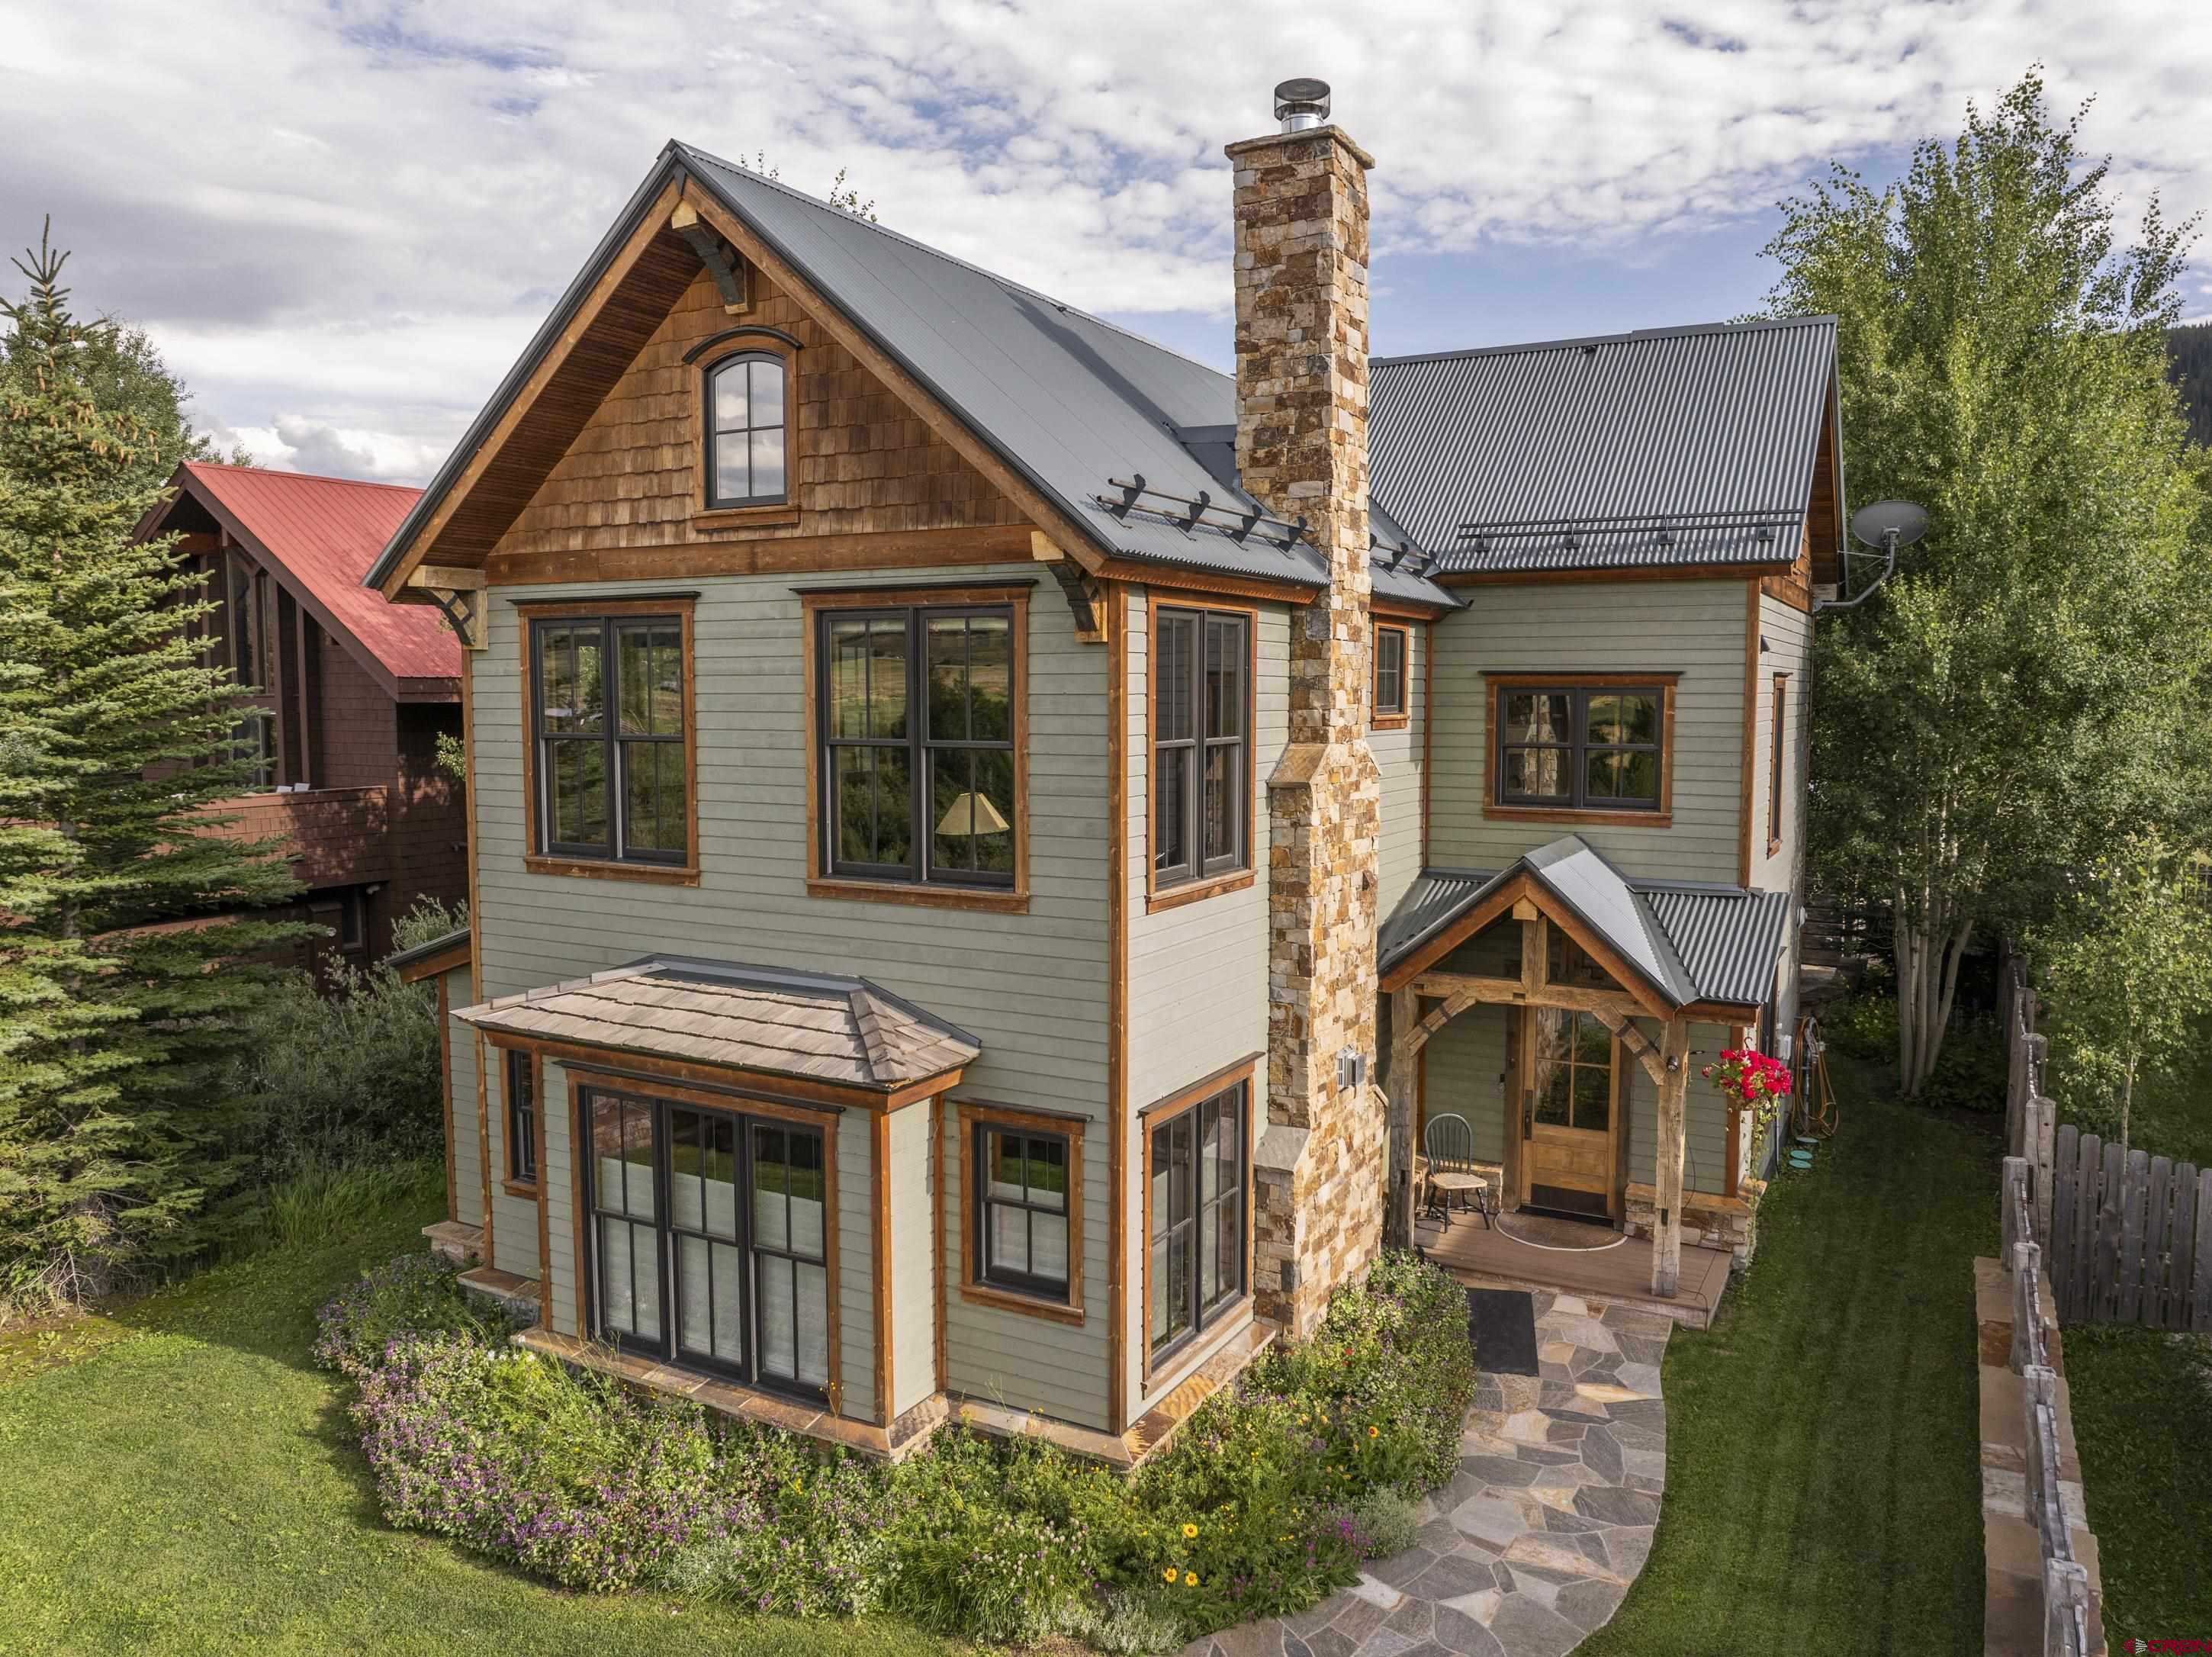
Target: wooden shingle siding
x=856, y=1267
x=1695, y=628
x=1704, y=1163
x=1398, y=757
x=860, y=460
x=1032, y=988
x=1466, y=1077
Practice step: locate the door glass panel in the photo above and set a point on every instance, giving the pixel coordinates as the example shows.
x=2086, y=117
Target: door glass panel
x=779, y=1317
x=811, y=1289
x=1593, y=1095
x=1554, y=1070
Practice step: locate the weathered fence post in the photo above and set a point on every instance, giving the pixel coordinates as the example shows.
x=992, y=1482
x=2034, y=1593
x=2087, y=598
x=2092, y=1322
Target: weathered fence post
x=2015, y=1210
x=2027, y=1342
x=2201, y=1295
x=2065, y=1609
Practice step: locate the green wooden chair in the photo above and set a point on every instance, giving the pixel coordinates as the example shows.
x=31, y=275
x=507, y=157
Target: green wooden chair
x=1448, y=1143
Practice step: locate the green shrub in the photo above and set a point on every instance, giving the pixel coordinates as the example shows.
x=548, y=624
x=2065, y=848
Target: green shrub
x=414, y=1295
x=1969, y=1073
x=1865, y=1026
x=1269, y=1497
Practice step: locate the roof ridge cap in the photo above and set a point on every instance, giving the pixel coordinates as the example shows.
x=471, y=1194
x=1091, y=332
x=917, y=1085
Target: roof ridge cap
x=1676, y=330
x=302, y=476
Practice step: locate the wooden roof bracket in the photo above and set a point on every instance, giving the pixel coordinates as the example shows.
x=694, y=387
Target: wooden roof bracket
x=459, y=593
x=1083, y=592
x=714, y=254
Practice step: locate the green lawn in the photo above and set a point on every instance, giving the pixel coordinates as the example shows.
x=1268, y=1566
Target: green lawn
x=2143, y=1417
x=176, y=1478
x=1823, y=1467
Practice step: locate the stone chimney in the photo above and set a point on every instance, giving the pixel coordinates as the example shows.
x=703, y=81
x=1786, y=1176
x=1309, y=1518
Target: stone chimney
x=1301, y=213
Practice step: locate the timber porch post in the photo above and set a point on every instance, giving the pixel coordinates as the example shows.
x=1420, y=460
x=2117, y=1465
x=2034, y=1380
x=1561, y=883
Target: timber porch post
x=1401, y=1084
x=1667, y=1182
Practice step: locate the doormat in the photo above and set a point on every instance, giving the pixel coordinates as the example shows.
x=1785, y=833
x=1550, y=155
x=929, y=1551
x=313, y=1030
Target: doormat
x=1503, y=1323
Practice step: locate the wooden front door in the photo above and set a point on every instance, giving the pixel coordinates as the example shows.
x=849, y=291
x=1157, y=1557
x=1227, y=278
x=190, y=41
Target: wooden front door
x=1570, y=1112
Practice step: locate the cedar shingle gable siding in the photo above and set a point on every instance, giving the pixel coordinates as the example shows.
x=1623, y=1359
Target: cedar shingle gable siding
x=860, y=461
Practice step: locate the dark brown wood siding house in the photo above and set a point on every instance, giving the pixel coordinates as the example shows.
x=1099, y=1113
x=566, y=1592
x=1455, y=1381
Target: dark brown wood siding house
x=354, y=693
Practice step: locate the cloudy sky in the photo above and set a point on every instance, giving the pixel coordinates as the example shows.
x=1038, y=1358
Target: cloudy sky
x=343, y=220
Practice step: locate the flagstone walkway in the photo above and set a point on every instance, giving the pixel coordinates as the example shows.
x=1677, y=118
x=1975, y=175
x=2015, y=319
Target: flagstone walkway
x=1534, y=1543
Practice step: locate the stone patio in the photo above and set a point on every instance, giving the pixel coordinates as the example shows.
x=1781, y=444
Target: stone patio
x=1536, y=1540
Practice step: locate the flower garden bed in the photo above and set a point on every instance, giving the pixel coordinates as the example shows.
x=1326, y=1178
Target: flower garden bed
x=1267, y=1500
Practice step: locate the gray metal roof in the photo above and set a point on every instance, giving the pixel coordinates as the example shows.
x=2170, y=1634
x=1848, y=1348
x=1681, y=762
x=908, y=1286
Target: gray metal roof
x=1662, y=447
x=1692, y=942
x=814, y=1027
x=1069, y=400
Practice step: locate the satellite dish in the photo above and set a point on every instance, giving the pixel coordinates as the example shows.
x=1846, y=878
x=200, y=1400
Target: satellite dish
x=1884, y=526
x=1887, y=524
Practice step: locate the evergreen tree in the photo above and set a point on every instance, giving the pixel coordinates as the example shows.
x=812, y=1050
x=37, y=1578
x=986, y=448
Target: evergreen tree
x=121, y=983
x=117, y=363
x=2025, y=694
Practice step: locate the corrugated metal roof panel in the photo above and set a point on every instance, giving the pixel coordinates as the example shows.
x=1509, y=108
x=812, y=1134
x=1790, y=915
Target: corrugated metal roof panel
x=1615, y=451
x=326, y=532
x=1708, y=943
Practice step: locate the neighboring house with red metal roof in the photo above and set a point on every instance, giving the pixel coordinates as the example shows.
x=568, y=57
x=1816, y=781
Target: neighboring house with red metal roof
x=354, y=692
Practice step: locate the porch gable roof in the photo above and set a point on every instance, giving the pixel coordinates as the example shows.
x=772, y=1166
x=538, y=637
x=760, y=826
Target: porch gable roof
x=1689, y=942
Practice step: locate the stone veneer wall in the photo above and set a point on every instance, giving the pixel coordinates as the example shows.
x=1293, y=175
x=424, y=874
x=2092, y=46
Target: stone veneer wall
x=1708, y=1221
x=1301, y=223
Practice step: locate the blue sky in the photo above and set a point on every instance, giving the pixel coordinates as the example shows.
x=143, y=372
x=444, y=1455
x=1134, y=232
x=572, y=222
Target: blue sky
x=341, y=219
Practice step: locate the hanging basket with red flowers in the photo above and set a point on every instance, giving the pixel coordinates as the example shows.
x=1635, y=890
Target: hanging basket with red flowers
x=1753, y=1081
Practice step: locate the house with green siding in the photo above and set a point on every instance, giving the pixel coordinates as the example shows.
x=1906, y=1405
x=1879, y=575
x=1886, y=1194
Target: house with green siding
x=996, y=850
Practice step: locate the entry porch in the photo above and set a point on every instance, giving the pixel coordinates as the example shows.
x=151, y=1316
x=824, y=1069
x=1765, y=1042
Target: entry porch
x=1618, y=1273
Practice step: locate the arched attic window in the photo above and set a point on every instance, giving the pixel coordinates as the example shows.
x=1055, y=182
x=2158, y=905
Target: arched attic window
x=746, y=422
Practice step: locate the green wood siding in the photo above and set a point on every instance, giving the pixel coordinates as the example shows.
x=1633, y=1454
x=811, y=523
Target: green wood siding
x=1466, y=1076
x=1031, y=988
x=559, y=1178
x=1786, y=640
x=1695, y=628
x=468, y=1148
x=856, y=1267
x=1704, y=1162
x=1398, y=757
x=913, y=1261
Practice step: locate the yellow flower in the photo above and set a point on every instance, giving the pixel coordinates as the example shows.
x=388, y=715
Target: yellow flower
x=1168, y=1574
x=1373, y=1432
x=1190, y=1530
x=1190, y=1579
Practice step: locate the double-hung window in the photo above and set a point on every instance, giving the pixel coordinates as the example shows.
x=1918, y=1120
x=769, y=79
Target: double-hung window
x=1023, y=1208
x=609, y=711
x=708, y=1239
x=521, y=1120
x=1195, y=1211
x=1201, y=743
x=1392, y=655
x=1571, y=746
x=1777, y=716
x=919, y=766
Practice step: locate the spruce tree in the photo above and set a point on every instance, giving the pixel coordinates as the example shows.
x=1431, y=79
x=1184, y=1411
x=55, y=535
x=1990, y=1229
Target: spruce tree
x=124, y=970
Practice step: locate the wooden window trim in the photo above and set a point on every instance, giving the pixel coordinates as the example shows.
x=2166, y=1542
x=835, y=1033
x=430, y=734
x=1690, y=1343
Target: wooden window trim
x=760, y=510
x=515, y=1184
x=974, y=1118
x=1496, y=685
x=683, y=608
x=1401, y=717
x=1002, y=900
x=1176, y=893
x=1243, y=1074
x=1778, y=760
x=822, y=1122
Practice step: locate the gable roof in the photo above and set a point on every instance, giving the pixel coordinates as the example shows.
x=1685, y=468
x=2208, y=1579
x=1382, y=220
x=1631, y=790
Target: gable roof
x=1689, y=942
x=320, y=535
x=1067, y=400
x=1665, y=446
x=822, y=1027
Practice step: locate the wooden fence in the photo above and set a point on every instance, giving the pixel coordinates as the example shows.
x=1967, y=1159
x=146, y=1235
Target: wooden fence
x=2067, y=1628
x=2129, y=1235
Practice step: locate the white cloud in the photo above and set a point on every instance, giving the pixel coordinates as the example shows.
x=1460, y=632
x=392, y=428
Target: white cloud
x=350, y=216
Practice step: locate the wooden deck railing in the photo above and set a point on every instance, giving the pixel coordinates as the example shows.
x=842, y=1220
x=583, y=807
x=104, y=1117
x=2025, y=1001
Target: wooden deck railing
x=335, y=837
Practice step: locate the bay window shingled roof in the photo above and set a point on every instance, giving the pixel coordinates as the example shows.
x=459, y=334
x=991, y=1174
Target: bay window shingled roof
x=822, y=1027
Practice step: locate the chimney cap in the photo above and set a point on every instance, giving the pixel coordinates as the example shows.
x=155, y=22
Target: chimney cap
x=1301, y=104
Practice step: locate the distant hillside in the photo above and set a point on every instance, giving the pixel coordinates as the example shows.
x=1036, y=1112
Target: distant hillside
x=2192, y=372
